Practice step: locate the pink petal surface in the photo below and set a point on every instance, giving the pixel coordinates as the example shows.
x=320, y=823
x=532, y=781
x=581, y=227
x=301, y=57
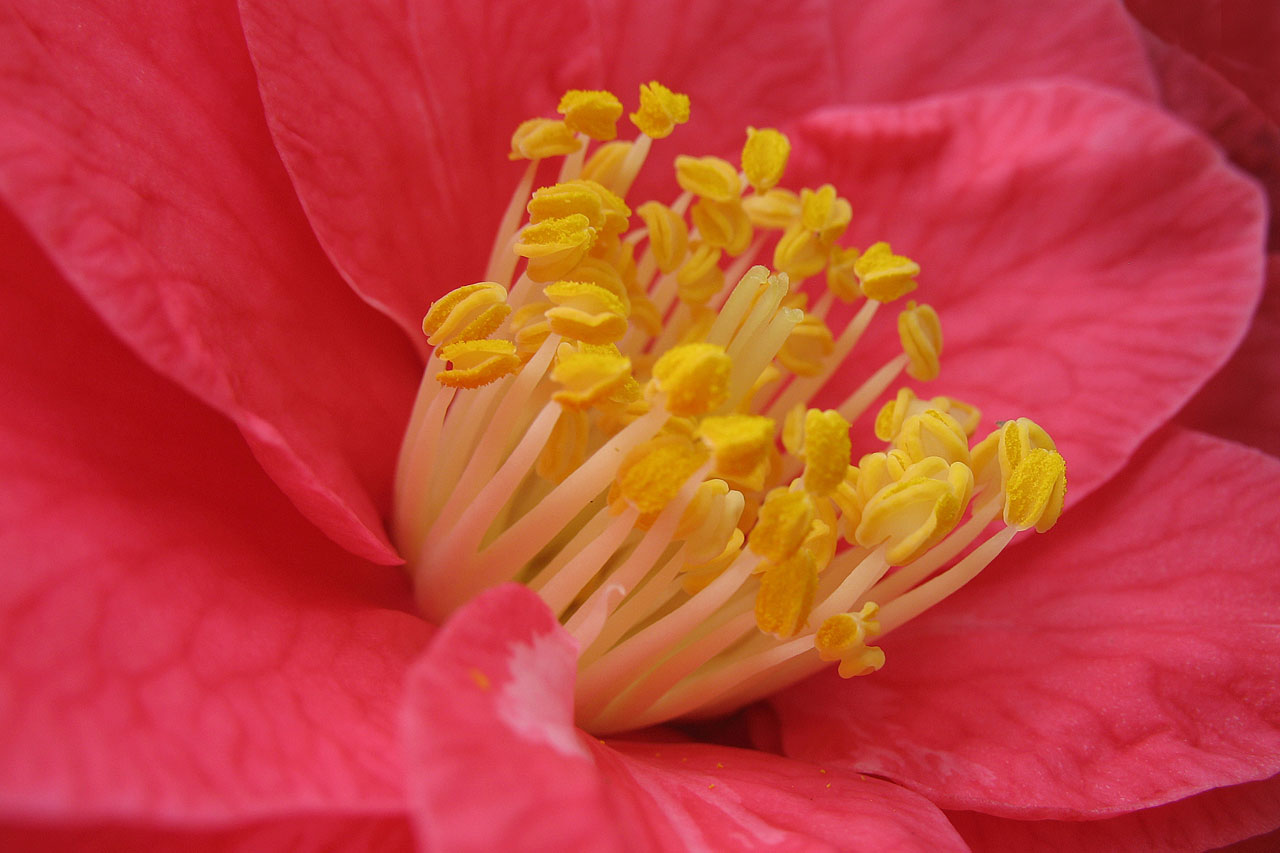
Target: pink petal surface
x=913, y=48
x=1123, y=660
x=1203, y=822
x=132, y=146
x=178, y=647
x=1093, y=261
x=495, y=762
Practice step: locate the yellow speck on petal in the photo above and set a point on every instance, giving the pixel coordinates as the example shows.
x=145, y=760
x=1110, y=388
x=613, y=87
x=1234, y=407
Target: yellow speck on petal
x=1036, y=490
x=668, y=234
x=786, y=594
x=466, y=313
x=708, y=177
x=481, y=680
x=660, y=110
x=826, y=451
x=651, y=474
x=477, y=363
x=764, y=157
x=588, y=376
x=594, y=113
x=884, y=275
x=542, y=137
x=920, y=331
x=784, y=521
x=694, y=377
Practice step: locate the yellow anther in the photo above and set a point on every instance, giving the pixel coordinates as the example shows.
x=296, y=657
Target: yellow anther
x=807, y=347
x=884, y=275
x=1036, y=490
x=530, y=327
x=466, y=313
x=825, y=213
x=645, y=315
x=694, y=378
x=850, y=503
x=764, y=157
x=710, y=521
x=605, y=164
x=786, y=595
x=967, y=415
x=668, y=234
x=777, y=208
x=566, y=447
x=652, y=473
x=588, y=376
x=708, y=177
x=617, y=216
x=783, y=523
x=740, y=446
x=915, y=513
x=700, y=278
x=477, y=363
x=585, y=312
x=921, y=334
x=698, y=575
x=555, y=246
x=826, y=451
x=594, y=113
x=660, y=110
x=542, y=137
x=560, y=200
x=722, y=223
x=841, y=279
x=793, y=430
x=843, y=637
x=821, y=538
x=1018, y=438
x=602, y=274
x=706, y=504
x=933, y=433
x=799, y=252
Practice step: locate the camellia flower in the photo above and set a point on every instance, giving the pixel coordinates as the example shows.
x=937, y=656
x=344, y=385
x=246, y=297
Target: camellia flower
x=256, y=205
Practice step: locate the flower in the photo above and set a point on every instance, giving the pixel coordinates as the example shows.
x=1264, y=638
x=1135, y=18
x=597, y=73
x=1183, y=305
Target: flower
x=186, y=659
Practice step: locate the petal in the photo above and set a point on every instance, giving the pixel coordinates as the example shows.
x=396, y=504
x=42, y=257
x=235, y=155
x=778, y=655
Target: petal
x=1128, y=660
x=1092, y=260
x=177, y=645
x=492, y=702
x=1203, y=822
x=297, y=835
x=133, y=148
x=894, y=51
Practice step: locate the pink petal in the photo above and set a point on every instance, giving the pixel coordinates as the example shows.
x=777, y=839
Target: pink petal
x=178, y=646
x=1202, y=822
x=495, y=762
x=1243, y=401
x=132, y=146
x=1093, y=261
x=1127, y=659
x=1237, y=38
x=894, y=51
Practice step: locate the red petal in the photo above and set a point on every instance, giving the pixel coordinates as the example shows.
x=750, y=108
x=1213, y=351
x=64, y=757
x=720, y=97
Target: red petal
x=1127, y=659
x=893, y=51
x=496, y=763
x=1093, y=261
x=177, y=645
x=1203, y=822
x=321, y=834
x=133, y=148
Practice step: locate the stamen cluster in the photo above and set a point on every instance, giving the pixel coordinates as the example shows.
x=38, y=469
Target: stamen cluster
x=618, y=417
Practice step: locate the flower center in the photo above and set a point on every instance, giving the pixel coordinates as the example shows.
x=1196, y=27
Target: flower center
x=624, y=427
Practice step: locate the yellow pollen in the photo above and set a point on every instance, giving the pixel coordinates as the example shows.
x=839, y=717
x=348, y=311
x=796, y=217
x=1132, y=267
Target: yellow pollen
x=555, y=246
x=825, y=213
x=566, y=447
x=913, y=514
x=885, y=276
x=538, y=138
x=653, y=473
x=594, y=113
x=807, y=347
x=477, y=363
x=585, y=312
x=467, y=313
x=668, y=234
x=708, y=177
x=723, y=223
x=1036, y=490
x=783, y=523
x=843, y=637
x=786, y=595
x=841, y=278
x=700, y=277
x=605, y=164
x=588, y=377
x=694, y=378
x=764, y=157
x=775, y=209
x=800, y=253
x=826, y=451
x=933, y=433
x=660, y=110
x=740, y=446
x=560, y=200
x=921, y=334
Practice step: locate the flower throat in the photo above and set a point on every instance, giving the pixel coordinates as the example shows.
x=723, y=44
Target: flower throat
x=624, y=427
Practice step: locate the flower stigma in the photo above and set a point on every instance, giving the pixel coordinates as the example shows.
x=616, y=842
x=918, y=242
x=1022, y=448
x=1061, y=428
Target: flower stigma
x=619, y=417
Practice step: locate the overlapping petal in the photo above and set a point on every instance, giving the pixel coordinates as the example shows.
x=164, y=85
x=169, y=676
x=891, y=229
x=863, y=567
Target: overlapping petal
x=1093, y=260
x=177, y=645
x=132, y=146
x=1127, y=660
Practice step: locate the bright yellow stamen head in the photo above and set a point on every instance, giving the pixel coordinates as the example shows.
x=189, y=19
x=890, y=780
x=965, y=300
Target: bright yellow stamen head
x=708, y=177
x=694, y=378
x=783, y=523
x=477, y=363
x=700, y=277
x=560, y=200
x=826, y=451
x=806, y=350
x=843, y=637
x=668, y=234
x=776, y=208
x=841, y=278
x=933, y=433
x=764, y=157
x=585, y=312
x=660, y=110
x=653, y=473
x=594, y=113
x=800, y=253
x=588, y=375
x=555, y=246
x=786, y=595
x=913, y=514
x=467, y=313
x=1036, y=490
x=740, y=445
x=920, y=331
x=825, y=213
x=723, y=223
x=538, y=138
x=884, y=275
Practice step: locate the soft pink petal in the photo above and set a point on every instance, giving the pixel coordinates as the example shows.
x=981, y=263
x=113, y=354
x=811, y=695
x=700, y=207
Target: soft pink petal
x=1243, y=401
x=1093, y=261
x=495, y=762
x=1202, y=822
x=1236, y=37
x=177, y=645
x=132, y=145
x=1128, y=658
x=893, y=51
